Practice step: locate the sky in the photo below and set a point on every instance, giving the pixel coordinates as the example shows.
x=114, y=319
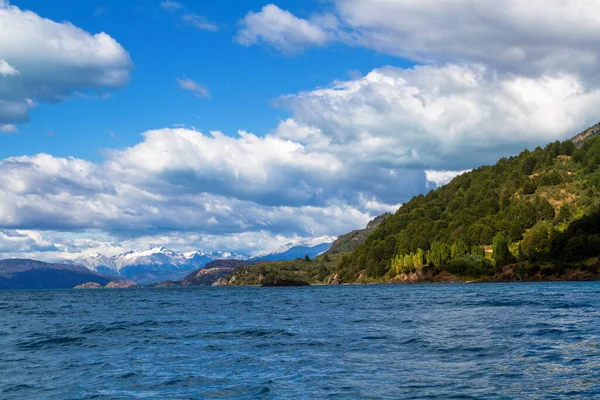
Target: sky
x=240, y=126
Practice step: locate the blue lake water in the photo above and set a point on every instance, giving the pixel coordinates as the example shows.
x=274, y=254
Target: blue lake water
x=489, y=341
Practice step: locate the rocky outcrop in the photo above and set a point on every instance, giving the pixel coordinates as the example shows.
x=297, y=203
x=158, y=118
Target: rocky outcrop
x=334, y=279
x=427, y=276
x=525, y=272
x=206, y=276
x=588, y=133
x=89, y=285
x=121, y=285
x=212, y=274
x=221, y=282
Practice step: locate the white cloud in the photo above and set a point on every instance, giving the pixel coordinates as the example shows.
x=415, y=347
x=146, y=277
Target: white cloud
x=46, y=61
x=199, y=22
x=178, y=180
x=284, y=31
x=6, y=69
x=198, y=89
x=184, y=189
x=448, y=117
x=171, y=6
x=349, y=152
x=513, y=36
x=440, y=178
x=529, y=37
x=492, y=81
x=7, y=128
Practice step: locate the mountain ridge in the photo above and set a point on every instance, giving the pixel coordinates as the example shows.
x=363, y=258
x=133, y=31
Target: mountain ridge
x=162, y=264
x=26, y=274
x=590, y=132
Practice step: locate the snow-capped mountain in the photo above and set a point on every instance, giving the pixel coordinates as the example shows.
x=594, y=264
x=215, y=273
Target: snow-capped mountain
x=160, y=263
x=149, y=265
x=289, y=251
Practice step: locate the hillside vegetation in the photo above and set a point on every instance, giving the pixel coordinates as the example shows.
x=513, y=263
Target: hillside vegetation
x=540, y=208
x=535, y=216
x=315, y=270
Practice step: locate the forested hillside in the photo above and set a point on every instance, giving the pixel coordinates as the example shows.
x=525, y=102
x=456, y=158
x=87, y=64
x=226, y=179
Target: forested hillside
x=540, y=208
x=535, y=216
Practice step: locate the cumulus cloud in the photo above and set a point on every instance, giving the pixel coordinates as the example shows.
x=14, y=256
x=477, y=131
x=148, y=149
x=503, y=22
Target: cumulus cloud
x=185, y=189
x=182, y=180
x=526, y=37
x=511, y=36
x=496, y=81
x=284, y=31
x=16, y=242
x=46, y=61
x=448, y=117
x=198, y=89
x=349, y=152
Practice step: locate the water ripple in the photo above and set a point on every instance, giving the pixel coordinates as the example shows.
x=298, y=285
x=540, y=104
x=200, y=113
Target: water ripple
x=496, y=341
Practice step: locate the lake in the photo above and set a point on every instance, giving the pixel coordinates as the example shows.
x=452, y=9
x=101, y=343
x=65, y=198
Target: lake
x=475, y=341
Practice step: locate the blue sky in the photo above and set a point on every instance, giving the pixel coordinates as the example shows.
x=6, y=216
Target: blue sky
x=243, y=81
x=241, y=126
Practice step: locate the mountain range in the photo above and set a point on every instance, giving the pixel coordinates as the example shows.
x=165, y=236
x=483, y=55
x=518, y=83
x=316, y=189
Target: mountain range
x=160, y=263
x=17, y=274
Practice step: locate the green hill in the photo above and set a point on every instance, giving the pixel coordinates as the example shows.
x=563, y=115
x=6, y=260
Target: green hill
x=535, y=216
x=540, y=209
x=316, y=270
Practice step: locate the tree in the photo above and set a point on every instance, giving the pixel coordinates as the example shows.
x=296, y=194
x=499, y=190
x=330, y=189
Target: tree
x=478, y=252
x=326, y=258
x=537, y=241
x=565, y=213
x=501, y=253
x=439, y=254
x=418, y=259
x=568, y=147
x=528, y=165
x=544, y=209
x=307, y=258
x=480, y=233
x=529, y=187
x=459, y=249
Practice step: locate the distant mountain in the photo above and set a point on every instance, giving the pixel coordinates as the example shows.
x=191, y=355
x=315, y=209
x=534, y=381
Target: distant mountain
x=350, y=241
x=215, y=271
x=161, y=264
x=20, y=274
x=210, y=274
x=311, y=247
x=152, y=265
